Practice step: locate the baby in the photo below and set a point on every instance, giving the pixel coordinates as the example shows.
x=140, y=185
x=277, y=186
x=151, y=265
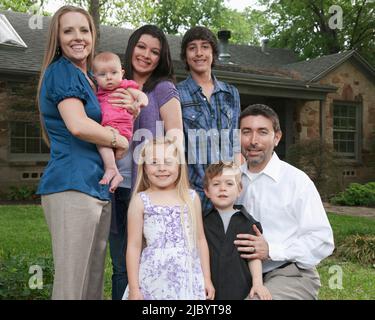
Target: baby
x=109, y=74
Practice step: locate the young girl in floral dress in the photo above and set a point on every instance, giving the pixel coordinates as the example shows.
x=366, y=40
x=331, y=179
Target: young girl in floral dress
x=164, y=218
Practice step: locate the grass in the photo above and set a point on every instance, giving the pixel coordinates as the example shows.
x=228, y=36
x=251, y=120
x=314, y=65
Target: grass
x=358, y=282
x=23, y=231
x=344, y=226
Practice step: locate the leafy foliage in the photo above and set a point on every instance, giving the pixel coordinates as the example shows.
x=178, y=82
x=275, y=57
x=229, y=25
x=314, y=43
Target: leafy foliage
x=304, y=26
x=357, y=195
x=170, y=15
x=30, y=6
x=21, y=193
x=176, y=16
x=107, y=9
x=247, y=27
x=19, y=5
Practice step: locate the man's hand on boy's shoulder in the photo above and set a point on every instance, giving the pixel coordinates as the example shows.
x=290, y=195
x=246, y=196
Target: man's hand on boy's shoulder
x=252, y=246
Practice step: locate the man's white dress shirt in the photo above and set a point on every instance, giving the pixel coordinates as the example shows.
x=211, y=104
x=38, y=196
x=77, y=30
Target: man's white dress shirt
x=287, y=204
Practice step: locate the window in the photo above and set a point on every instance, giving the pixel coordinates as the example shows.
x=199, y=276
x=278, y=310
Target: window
x=9, y=36
x=26, y=137
x=347, y=130
x=31, y=175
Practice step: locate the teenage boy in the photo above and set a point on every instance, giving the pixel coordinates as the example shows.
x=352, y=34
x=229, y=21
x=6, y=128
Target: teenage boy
x=210, y=109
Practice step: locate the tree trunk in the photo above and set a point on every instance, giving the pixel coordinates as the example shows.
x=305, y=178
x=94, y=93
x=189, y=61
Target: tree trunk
x=332, y=45
x=94, y=9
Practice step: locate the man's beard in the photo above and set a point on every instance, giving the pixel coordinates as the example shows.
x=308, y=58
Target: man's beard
x=254, y=161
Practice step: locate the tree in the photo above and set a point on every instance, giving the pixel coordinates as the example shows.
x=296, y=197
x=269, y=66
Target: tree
x=102, y=11
x=173, y=16
x=246, y=27
x=94, y=10
x=306, y=26
x=30, y=6
x=111, y=12
x=176, y=16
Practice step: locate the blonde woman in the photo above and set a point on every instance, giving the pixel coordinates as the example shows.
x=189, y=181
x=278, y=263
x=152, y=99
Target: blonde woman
x=75, y=205
x=174, y=264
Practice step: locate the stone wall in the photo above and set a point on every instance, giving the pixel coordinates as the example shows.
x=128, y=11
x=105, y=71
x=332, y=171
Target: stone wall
x=307, y=117
x=353, y=86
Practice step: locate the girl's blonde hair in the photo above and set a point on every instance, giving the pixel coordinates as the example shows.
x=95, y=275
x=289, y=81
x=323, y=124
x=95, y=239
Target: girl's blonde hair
x=182, y=183
x=53, y=50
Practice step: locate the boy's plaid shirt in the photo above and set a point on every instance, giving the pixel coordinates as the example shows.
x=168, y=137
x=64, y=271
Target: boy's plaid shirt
x=208, y=128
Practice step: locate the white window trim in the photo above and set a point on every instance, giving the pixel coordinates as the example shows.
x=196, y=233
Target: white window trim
x=358, y=131
x=24, y=156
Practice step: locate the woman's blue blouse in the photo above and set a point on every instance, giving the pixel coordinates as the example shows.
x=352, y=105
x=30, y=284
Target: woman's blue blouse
x=74, y=164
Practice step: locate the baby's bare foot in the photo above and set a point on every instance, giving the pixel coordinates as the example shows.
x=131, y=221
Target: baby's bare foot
x=111, y=176
x=117, y=179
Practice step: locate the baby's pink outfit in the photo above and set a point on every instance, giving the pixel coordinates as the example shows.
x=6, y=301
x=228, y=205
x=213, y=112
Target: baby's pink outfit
x=117, y=118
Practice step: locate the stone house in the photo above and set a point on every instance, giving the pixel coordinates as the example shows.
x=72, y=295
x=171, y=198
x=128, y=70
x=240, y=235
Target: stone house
x=331, y=98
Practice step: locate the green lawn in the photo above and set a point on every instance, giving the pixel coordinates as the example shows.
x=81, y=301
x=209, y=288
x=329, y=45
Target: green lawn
x=24, y=233
x=24, y=236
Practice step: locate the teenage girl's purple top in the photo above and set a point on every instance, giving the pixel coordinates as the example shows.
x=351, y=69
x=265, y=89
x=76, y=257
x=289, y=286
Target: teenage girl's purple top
x=148, y=124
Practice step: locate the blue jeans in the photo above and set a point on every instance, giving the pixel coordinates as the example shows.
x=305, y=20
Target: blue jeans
x=117, y=241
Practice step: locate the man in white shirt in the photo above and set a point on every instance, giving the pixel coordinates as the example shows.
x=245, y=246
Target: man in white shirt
x=296, y=232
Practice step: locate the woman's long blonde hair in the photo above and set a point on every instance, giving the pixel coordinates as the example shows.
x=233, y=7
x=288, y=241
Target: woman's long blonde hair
x=53, y=50
x=182, y=183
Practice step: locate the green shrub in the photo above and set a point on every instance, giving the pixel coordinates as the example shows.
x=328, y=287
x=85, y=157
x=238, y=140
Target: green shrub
x=357, y=195
x=358, y=248
x=15, y=277
x=21, y=193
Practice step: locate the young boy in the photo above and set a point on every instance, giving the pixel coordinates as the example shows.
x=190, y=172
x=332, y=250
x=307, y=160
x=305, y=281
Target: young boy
x=109, y=76
x=234, y=278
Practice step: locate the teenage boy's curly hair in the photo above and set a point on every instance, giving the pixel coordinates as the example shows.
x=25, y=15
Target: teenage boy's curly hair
x=199, y=33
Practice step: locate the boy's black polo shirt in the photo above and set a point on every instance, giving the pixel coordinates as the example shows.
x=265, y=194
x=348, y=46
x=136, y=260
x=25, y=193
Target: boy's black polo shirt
x=230, y=273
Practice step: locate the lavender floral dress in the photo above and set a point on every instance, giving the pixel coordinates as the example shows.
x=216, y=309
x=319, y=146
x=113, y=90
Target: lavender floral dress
x=168, y=270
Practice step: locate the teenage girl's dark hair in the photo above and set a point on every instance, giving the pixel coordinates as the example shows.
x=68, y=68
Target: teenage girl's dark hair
x=164, y=70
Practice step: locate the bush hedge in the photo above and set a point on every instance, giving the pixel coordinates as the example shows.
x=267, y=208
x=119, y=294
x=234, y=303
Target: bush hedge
x=19, y=193
x=357, y=195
